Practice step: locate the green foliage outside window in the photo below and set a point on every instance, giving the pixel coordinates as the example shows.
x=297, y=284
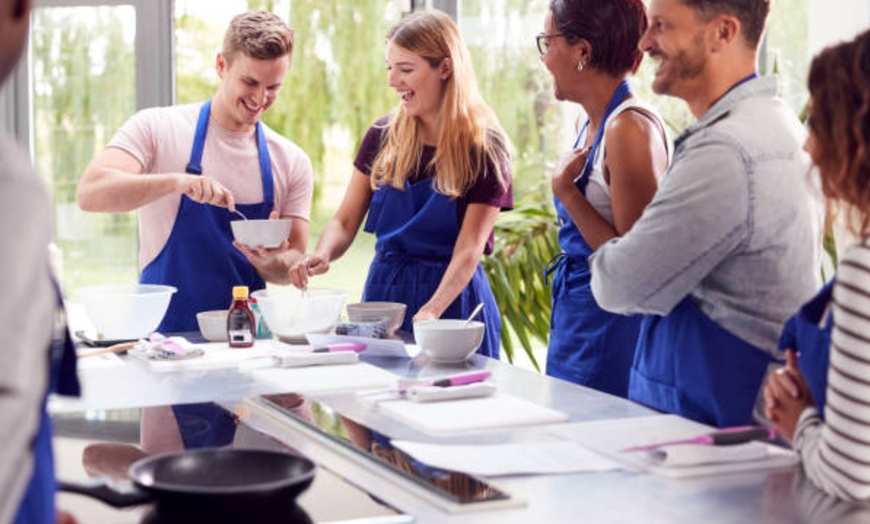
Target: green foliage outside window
x=336, y=84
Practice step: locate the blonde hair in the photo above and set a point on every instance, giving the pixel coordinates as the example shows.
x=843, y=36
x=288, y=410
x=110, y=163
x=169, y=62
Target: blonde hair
x=257, y=34
x=470, y=133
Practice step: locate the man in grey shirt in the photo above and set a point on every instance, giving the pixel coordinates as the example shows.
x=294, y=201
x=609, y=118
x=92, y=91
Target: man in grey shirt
x=725, y=252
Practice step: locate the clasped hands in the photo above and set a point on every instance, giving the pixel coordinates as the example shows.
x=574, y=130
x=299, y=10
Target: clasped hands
x=786, y=395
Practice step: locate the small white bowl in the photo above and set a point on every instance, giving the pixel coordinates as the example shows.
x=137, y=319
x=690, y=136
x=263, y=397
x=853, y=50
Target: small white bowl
x=213, y=324
x=448, y=340
x=392, y=312
x=266, y=233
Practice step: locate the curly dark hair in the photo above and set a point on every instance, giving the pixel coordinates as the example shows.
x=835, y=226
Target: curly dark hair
x=839, y=119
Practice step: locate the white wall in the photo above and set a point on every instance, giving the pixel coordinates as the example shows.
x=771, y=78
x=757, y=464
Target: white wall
x=833, y=21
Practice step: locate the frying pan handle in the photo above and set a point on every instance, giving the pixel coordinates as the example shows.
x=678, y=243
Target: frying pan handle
x=100, y=490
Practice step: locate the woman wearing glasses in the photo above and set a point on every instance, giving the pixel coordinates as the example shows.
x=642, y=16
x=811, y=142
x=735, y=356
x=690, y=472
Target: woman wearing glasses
x=602, y=185
x=432, y=178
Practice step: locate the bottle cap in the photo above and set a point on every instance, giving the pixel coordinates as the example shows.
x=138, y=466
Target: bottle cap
x=240, y=292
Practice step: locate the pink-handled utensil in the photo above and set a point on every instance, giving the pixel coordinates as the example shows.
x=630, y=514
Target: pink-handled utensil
x=723, y=437
x=460, y=379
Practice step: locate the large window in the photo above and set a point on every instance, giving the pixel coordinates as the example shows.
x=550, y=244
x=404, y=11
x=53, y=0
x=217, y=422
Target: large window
x=90, y=65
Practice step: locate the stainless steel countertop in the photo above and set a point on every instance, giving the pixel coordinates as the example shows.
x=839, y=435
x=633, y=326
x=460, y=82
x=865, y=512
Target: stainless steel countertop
x=617, y=496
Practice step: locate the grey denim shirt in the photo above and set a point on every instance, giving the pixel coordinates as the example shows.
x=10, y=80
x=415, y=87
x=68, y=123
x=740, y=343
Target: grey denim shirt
x=731, y=225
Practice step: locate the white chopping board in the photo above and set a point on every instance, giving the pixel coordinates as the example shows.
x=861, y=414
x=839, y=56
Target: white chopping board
x=610, y=437
x=471, y=414
x=217, y=355
x=325, y=379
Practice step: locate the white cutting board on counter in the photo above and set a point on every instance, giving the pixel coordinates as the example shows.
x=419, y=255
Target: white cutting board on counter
x=471, y=414
x=610, y=437
x=217, y=355
x=325, y=379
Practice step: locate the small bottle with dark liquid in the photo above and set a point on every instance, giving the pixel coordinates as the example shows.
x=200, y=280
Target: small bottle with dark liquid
x=241, y=326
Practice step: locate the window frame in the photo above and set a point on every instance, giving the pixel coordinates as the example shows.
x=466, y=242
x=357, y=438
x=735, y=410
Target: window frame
x=155, y=64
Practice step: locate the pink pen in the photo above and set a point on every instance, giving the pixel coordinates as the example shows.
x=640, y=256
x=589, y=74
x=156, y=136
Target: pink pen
x=723, y=437
x=346, y=346
x=462, y=379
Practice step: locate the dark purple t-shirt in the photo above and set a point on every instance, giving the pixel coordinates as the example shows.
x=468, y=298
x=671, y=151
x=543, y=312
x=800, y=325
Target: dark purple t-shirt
x=486, y=190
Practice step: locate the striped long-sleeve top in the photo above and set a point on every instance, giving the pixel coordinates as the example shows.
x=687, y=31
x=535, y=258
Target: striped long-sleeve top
x=836, y=453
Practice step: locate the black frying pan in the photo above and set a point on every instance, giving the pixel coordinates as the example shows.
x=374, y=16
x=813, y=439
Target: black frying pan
x=218, y=485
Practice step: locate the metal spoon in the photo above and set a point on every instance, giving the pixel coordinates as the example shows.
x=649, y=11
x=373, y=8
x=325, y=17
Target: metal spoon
x=474, y=313
x=240, y=214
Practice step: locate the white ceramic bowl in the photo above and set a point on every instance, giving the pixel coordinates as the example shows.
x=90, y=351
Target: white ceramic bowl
x=125, y=311
x=392, y=312
x=266, y=233
x=291, y=314
x=448, y=340
x=213, y=324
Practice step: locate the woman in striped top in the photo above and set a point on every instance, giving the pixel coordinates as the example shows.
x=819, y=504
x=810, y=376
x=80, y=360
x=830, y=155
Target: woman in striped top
x=824, y=409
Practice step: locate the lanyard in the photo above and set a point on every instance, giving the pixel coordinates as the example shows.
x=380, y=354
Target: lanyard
x=622, y=91
x=743, y=80
x=194, y=167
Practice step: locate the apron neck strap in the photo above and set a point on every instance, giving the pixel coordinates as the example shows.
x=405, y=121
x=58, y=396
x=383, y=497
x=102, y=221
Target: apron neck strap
x=621, y=92
x=194, y=166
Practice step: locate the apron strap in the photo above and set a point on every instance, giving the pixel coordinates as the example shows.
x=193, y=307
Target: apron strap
x=622, y=91
x=194, y=167
x=265, y=165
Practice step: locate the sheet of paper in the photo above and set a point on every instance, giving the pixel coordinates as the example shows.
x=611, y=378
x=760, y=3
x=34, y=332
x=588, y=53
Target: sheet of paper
x=471, y=414
x=610, y=437
x=375, y=347
x=525, y=458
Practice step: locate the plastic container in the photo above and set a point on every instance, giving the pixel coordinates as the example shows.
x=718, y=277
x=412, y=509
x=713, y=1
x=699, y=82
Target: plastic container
x=292, y=314
x=125, y=312
x=262, y=327
x=241, y=324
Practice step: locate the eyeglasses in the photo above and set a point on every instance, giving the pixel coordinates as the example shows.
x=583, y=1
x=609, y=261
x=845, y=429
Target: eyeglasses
x=543, y=41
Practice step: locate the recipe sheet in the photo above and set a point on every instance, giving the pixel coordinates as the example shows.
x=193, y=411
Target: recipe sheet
x=526, y=458
x=610, y=437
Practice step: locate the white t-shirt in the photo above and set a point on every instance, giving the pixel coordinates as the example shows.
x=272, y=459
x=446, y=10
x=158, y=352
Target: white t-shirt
x=598, y=190
x=27, y=310
x=161, y=139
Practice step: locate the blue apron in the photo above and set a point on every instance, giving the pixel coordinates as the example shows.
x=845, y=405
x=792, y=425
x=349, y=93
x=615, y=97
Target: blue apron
x=687, y=364
x=37, y=506
x=809, y=333
x=417, y=229
x=200, y=260
x=587, y=345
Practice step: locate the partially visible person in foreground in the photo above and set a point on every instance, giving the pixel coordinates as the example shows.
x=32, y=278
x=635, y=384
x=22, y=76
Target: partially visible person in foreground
x=38, y=356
